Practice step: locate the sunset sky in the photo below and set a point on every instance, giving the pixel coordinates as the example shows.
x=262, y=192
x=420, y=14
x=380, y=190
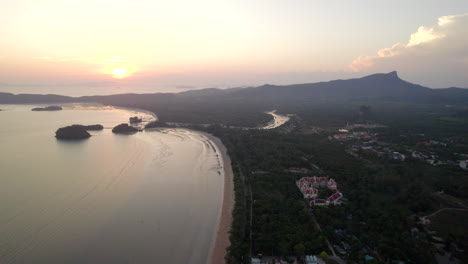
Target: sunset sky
x=221, y=43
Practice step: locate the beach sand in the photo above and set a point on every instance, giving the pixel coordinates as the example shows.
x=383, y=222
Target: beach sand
x=221, y=240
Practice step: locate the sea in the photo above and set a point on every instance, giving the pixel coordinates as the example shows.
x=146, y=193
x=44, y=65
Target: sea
x=151, y=197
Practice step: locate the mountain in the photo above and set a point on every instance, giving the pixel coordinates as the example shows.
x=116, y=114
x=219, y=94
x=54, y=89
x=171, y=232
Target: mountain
x=218, y=105
x=377, y=86
x=373, y=86
x=9, y=98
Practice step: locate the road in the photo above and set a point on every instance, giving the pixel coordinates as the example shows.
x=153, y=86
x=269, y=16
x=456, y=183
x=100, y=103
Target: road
x=443, y=209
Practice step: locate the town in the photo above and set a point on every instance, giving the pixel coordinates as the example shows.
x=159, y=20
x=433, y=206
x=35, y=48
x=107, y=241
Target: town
x=430, y=151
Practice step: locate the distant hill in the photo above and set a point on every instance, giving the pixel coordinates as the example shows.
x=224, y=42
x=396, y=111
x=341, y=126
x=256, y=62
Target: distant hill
x=218, y=105
x=8, y=98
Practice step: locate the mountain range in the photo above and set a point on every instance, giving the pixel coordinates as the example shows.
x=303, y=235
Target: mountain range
x=185, y=106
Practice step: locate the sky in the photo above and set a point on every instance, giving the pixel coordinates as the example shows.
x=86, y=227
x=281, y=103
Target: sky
x=228, y=43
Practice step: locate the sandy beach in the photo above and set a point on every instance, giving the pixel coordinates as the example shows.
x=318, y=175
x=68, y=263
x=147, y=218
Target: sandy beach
x=221, y=240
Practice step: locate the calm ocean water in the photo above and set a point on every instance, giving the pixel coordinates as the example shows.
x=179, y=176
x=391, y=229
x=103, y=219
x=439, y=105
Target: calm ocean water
x=152, y=197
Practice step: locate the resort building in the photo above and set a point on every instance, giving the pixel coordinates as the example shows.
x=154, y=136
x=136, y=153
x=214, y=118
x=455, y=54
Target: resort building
x=331, y=184
x=309, y=187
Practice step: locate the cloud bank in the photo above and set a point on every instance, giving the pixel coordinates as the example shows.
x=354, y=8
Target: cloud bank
x=434, y=56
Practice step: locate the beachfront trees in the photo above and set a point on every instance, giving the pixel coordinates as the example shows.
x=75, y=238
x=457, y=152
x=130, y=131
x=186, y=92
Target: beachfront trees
x=299, y=250
x=324, y=255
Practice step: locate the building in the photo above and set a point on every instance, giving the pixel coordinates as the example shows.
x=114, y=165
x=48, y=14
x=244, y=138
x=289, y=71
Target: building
x=323, y=181
x=309, y=189
x=318, y=202
x=255, y=261
x=398, y=156
x=311, y=260
x=310, y=193
x=334, y=198
x=463, y=164
x=331, y=184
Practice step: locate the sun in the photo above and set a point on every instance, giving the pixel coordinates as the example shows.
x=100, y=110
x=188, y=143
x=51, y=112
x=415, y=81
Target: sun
x=118, y=68
x=119, y=73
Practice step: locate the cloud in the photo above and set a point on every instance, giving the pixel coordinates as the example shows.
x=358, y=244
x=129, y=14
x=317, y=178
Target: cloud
x=434, y=56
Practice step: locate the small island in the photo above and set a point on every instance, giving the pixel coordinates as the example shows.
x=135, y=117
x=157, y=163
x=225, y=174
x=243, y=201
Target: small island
x=76, y=131
x=72, y=132
x=48, y=108
x=135, y=120
x=124, y=129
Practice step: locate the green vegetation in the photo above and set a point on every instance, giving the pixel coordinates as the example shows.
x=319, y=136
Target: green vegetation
x=124, y=129
x=385, y=196
x=453, y=227
x=324, y=255
x=73, y=132
x=238, y=234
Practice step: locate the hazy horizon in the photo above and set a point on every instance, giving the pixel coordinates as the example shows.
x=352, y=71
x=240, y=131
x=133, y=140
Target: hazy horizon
x=112, y=88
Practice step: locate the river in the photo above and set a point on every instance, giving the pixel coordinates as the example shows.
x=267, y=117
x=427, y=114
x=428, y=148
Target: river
x=278, y=120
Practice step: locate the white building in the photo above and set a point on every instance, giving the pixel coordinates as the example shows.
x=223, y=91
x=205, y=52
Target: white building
x=463, y=164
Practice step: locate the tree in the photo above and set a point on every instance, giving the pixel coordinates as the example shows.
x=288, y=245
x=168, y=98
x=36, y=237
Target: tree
x=324, y=255
x=283, y=248
x=299, y=250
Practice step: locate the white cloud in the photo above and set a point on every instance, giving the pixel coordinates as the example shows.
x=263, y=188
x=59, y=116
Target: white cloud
x=434, y=56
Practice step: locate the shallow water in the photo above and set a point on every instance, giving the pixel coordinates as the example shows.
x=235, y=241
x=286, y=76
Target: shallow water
x=152, y=197
x=278, y=120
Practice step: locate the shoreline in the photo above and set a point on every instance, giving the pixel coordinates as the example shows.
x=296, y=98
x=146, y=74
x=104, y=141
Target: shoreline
x=138, y=110
x=221, y=240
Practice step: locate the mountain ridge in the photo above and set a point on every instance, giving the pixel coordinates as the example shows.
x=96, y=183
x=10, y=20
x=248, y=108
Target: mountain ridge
x=379, y=85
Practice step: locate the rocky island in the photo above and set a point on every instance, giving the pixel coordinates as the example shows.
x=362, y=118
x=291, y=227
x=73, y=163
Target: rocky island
x=135, y=120
x=72, y=132
x=48, y=108
x=124, y=129
x=76, y=131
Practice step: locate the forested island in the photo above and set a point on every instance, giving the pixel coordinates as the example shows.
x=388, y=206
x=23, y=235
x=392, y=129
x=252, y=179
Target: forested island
x=72, y=132
x=135, y=120
x=48, y=108
x=124, y=129
x=76, y=131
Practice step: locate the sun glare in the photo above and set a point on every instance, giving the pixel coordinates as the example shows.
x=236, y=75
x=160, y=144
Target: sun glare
x=119, y=73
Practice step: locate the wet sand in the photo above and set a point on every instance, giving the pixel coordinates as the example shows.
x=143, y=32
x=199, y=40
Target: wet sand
x=221, y=240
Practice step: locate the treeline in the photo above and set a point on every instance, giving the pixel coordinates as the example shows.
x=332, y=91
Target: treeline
x=238, y=251
x=377, y=219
